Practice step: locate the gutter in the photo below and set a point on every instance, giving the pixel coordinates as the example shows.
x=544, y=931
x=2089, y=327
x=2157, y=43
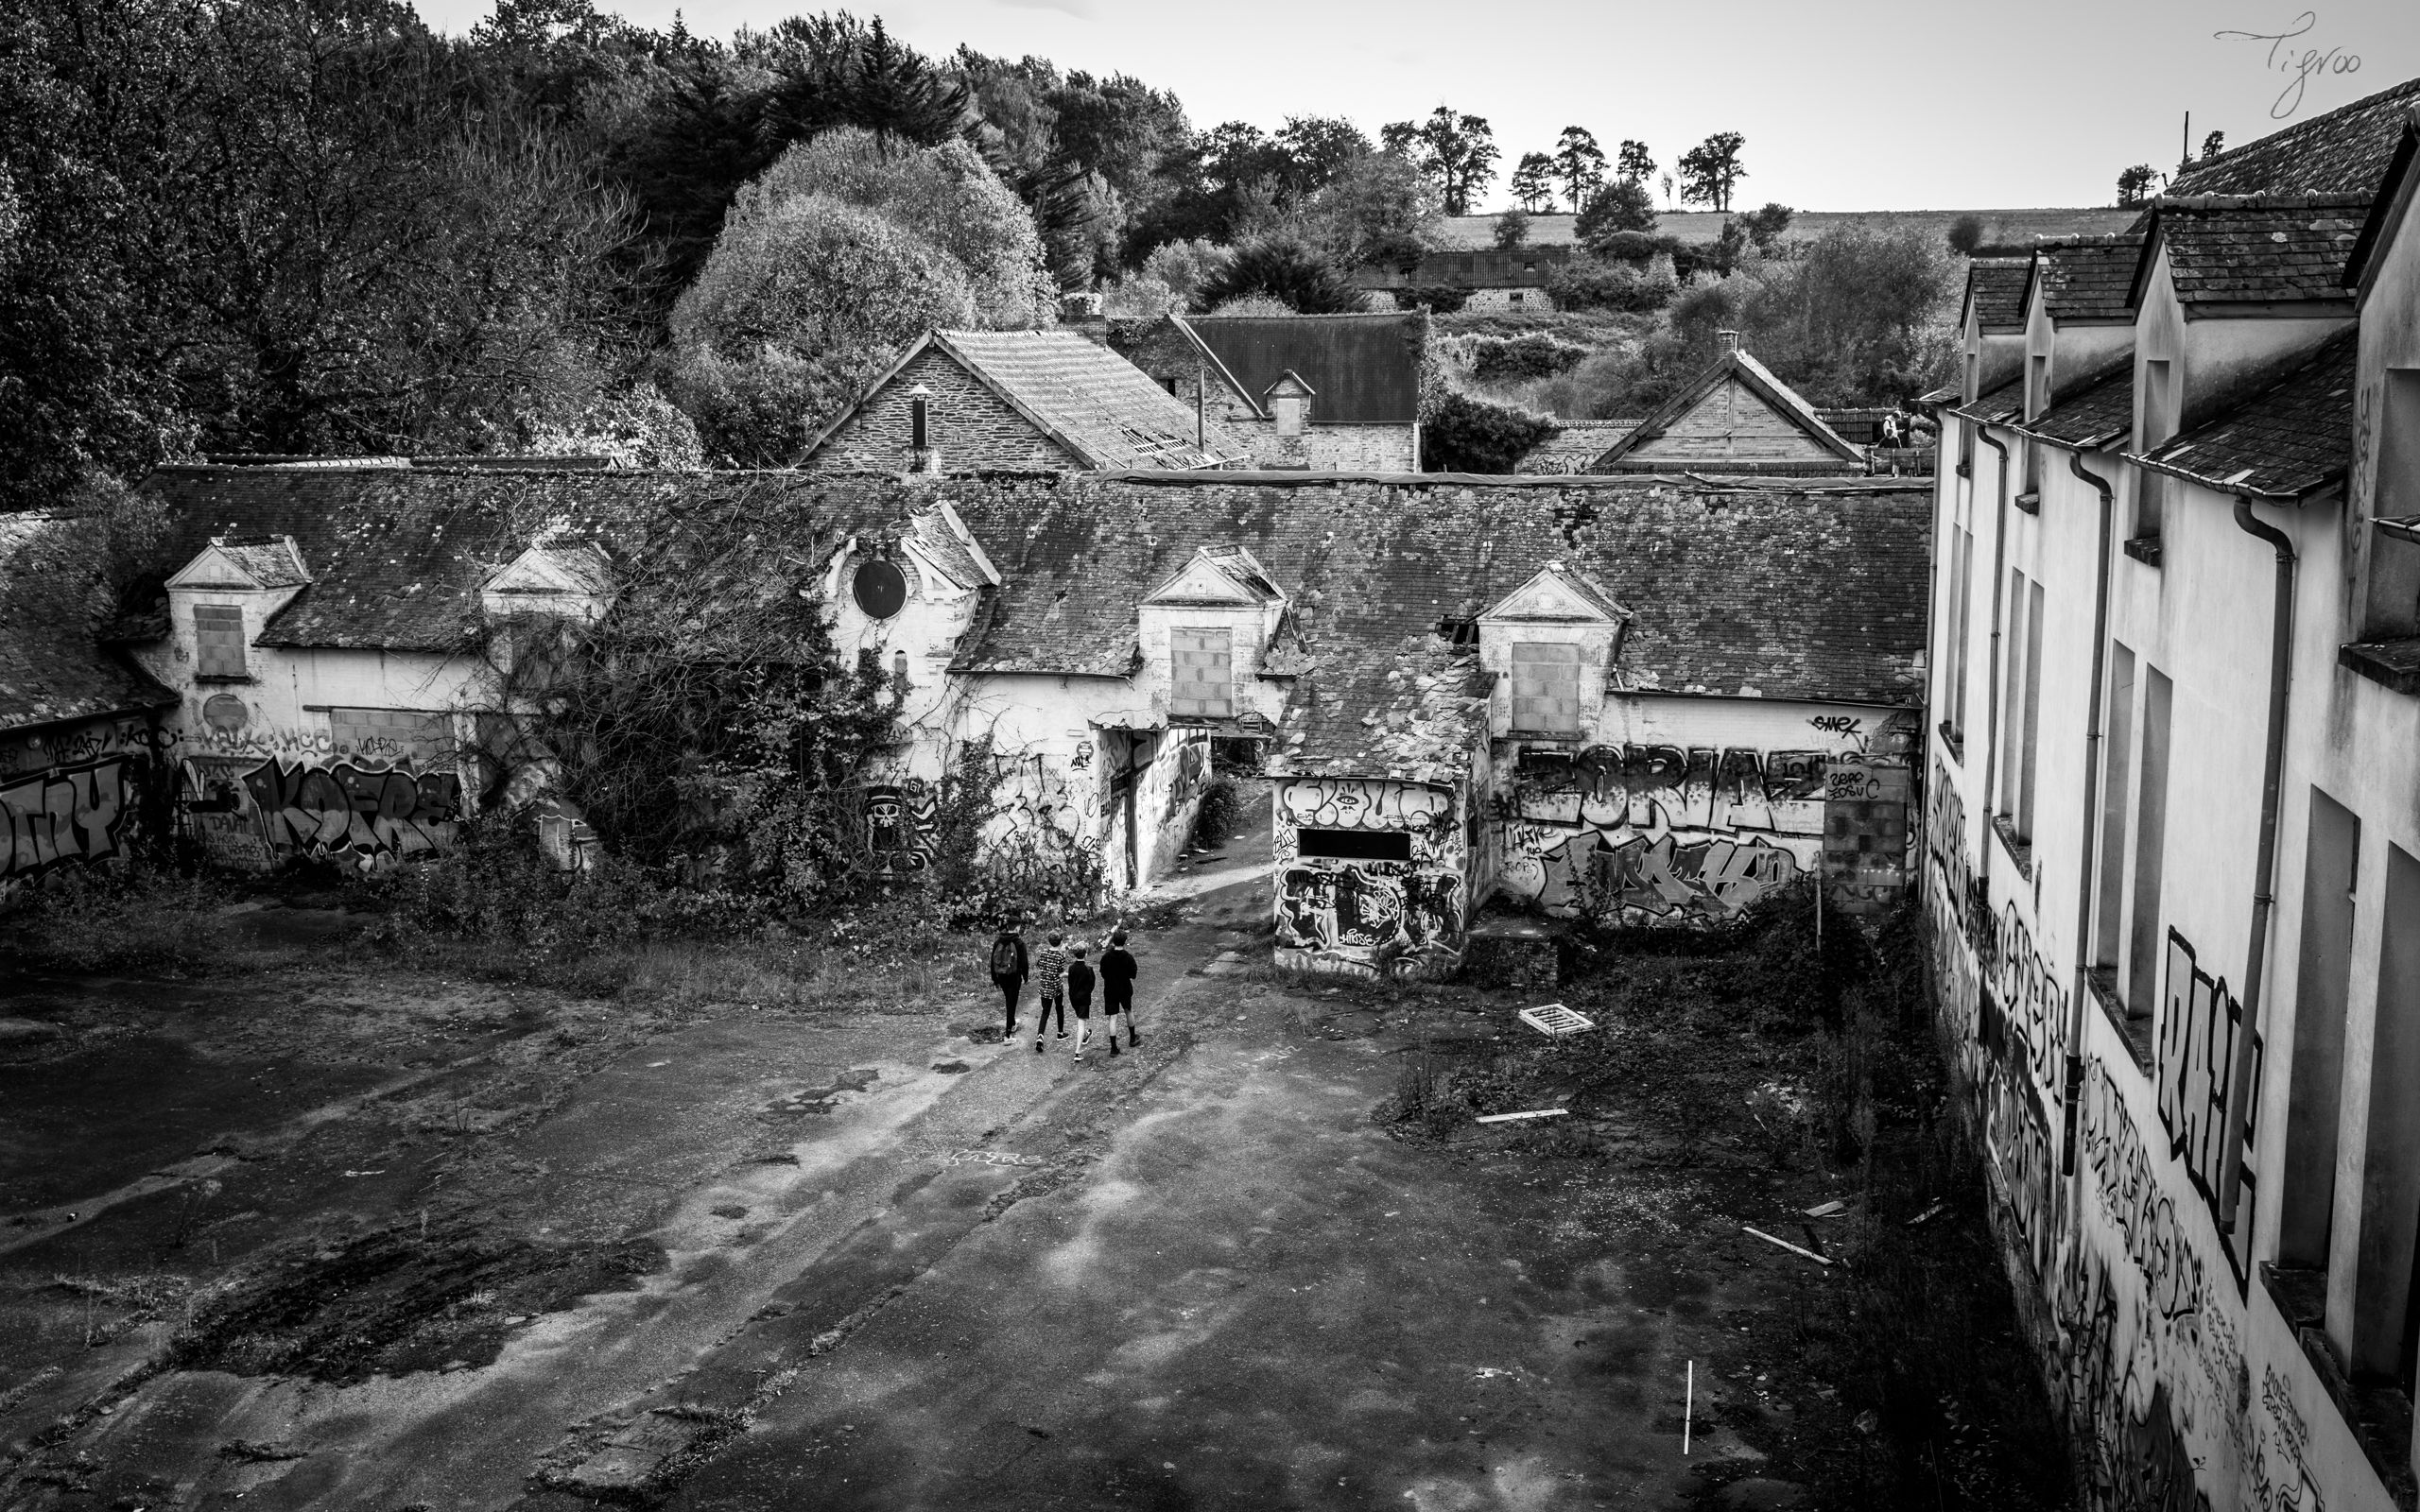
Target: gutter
x=2281, y=638
x=2088, y=848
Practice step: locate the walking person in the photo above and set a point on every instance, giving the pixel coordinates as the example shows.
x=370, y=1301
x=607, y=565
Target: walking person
x=1079, y=997
x=1009, y=971
x=1118, y=990
x=1050, y=971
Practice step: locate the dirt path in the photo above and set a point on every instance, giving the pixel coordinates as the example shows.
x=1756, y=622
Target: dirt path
x=884, y=1264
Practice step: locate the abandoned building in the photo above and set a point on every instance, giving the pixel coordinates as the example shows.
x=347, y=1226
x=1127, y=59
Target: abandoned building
x=2174, y=866
x=1733, y=416
x=1324, y=392
x=1024, y=401
x=1491, y=278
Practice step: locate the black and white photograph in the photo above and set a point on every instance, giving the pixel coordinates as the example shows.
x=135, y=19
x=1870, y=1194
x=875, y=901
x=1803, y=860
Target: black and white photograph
x=1085, y=756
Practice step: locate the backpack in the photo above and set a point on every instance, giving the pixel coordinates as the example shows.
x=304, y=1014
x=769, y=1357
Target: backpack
x=1004, y=956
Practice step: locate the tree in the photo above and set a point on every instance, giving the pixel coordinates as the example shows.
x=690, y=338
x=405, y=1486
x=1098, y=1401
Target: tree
x=2135, y=185
x=1317, y=151
x=1765, y=226
x=1631, y=162
x=833, y=69
x=1965, y=233
x=1512, y=228
x=2213, y=144
x=1457, y=151
x=1712, y=169
x=1462, y=433
x=1378, y=209
x=1289, y=272
x=1578, y=166
x=1533, y=183
x=1620, y=206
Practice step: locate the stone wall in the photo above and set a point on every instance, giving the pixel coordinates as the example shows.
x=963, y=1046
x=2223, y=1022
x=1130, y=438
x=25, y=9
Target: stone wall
x=971, y=426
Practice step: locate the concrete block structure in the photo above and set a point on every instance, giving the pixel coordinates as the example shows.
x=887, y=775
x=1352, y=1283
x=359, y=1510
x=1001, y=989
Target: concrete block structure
x=2174, y=856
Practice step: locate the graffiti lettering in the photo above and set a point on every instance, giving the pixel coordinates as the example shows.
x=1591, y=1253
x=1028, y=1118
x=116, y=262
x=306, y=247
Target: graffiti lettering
x=1837, y=725
x=2197, y=1049
x=2136, y=1204
x=1349, y=803
x=67, y=813
x=1400, y=917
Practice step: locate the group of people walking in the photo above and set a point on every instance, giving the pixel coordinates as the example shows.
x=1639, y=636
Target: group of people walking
x=1067, y=980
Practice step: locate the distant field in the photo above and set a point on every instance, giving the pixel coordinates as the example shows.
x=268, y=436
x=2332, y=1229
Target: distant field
x=2001, y=227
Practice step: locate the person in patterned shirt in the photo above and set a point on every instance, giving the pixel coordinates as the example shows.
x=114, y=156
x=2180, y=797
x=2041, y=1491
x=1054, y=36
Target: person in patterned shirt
x=1050, y=975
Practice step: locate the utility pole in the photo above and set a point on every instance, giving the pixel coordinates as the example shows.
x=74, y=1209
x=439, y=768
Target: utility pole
x=2185, y=157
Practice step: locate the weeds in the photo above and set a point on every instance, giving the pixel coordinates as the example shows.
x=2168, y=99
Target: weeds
x=142, y=916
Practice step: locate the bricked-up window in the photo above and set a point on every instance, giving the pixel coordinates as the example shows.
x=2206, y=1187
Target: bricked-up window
x=1546, y=687
x=218, y=640
x=1201, y=676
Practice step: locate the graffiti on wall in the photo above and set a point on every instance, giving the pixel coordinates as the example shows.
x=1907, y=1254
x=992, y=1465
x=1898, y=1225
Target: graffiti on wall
x=1404, y=918
x=255, y=813
x=901, y=822
x=2200, y=1023
x=65, y=815
x=1865, y=834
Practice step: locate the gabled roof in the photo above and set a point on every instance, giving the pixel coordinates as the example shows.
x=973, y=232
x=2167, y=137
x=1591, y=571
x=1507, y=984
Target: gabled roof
x=2392, y=208
x=2004, y=405
x=2090, y=415
x=52, y=668
x=1557, y=591
x=1219, y=575
x=1996, y=292
x=555, y=567
x=2345, y=151
x=2087, y=279
x=2255, y=249
x=1758, y=380
x=2287, y=442
x=1104, y=411
x=233, y=561
x=1365, y=369
x=943, y=538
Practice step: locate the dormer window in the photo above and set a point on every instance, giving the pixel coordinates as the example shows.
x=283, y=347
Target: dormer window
x=1201, y=682
x=1546, y=687
x=1289, y=403
x=219, y=640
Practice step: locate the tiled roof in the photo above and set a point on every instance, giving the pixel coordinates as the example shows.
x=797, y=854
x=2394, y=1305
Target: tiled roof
x=2099, y=412
x=2088, y=278
x=51, y=592
x=271, y=561
x=2345, y=151
x=1413, y=710
x=1996, y=289
x=2004, y=405
x=2393, y=201
x=1096, y=404
x=1365, y=369
x=2257, y=249
x=1785, y=592
x=2285, y=441
x=398, y=555
x=1760, y=381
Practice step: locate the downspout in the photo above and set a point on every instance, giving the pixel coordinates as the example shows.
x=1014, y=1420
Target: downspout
x=2281, y=640
x=2088, y=849
x=1991, y=686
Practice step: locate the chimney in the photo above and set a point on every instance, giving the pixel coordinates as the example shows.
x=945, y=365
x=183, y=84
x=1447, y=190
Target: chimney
x=1081, y=313
x=1728, y=340
x=923, y=456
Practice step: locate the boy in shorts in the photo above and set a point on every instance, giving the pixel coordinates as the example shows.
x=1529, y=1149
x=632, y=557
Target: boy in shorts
x=1049, y=969
x=1079, y=996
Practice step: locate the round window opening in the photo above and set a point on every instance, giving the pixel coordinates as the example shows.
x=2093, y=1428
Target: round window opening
x=881, y=589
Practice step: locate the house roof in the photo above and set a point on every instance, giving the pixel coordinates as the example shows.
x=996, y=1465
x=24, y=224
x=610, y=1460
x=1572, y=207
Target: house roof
x=53, y=668
x=2401, y=184
x=1591, y=597
x=1103, y=411
x=2091, y=415
x=2345, y=151
x=2285, y=441
x=1995, y=290
x=2088, y=278
x=399, y=556
x=2254, y=250
x=1760, y=381
x=1364, y=369
x=1784, y=591
x=2004, y=405
x=271, y=561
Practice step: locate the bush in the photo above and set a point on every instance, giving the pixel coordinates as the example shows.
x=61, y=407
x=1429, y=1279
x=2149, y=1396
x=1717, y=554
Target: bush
x=1965, y=235
x=1622, y=206
x=1460, y=433
x=1590, y=284
x=1222, y=807
x=1438, y=299
x=1289, y=272
x=1523, y=357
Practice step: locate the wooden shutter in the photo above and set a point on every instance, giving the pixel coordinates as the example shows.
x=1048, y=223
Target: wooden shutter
x=1201, y=684
x=1546, y=687
x=218, y=640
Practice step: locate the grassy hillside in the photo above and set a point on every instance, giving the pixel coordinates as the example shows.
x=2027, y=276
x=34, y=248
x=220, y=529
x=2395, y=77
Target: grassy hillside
x=2001, y=227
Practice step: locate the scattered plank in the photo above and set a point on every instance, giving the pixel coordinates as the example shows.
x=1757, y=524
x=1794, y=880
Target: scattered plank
x=1827, y=1209
x=1787, y=1244
x=1927, y=1215
x=1535, y=1112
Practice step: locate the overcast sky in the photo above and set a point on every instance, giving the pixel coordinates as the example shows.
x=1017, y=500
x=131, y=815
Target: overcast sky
x=1847, y=105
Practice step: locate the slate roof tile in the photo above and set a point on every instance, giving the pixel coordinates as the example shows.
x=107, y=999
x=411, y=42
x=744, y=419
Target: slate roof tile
x=2288, y=441
x=52, y=667
x=1109, y=410
x=2088, y=278
x=1996, y=289
x=2092, y=414
x=2258, y=248
x=2342, y=152
x=1364, y=369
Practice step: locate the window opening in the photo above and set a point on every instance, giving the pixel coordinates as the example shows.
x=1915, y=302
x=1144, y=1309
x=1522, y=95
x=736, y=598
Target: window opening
x=1546, y=686
x=218, y=640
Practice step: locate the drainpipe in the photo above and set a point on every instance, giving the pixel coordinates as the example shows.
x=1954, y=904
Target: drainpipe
x=1992, y=687
x=2281, y=640
x=2088, y=849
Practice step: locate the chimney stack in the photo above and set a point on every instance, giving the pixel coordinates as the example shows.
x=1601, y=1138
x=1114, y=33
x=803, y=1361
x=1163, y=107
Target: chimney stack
x=1728, y=340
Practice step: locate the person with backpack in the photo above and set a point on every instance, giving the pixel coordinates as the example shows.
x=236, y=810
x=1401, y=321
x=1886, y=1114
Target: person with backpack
x=1079, y=997
x=1118, y=989
x=1009, y=969
x=1050, y=973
